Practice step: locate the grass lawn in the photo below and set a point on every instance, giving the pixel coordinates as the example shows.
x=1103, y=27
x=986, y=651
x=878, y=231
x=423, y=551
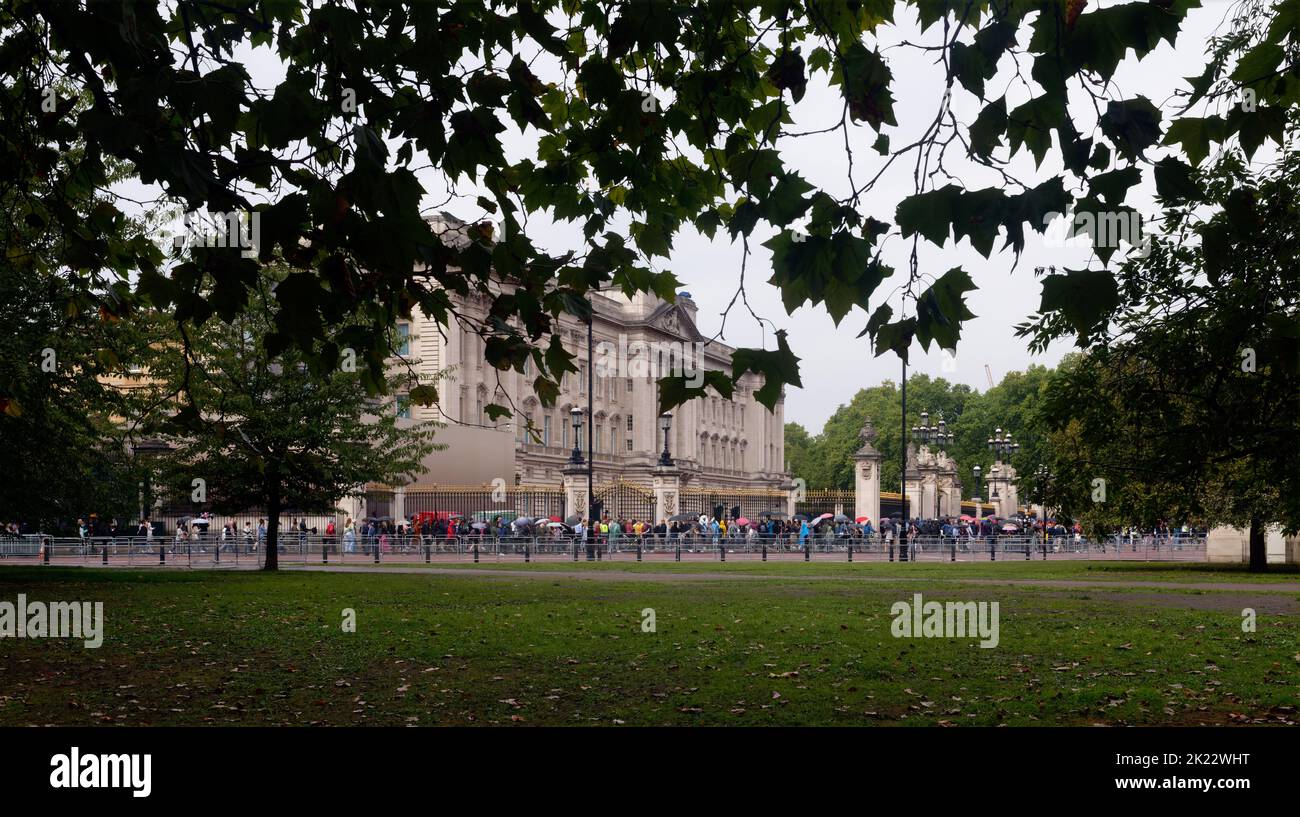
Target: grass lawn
x=185, y=647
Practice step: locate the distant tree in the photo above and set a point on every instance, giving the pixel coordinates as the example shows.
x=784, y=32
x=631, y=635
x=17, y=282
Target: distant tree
x=263, y=430
x=1187, y=401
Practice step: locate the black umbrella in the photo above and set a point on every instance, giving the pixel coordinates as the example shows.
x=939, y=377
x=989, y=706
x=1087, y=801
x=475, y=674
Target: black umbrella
x=573, y=520
x=682, y=517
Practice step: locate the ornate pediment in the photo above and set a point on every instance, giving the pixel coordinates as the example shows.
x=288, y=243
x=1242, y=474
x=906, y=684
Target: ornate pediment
x=673, y=320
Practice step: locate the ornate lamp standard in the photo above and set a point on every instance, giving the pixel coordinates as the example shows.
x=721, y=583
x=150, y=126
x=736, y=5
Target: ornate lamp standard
x=936, y=435
x=575, y=418
x=1042, y=484
x=1002, y=447
x=976, y=470
x=665, y=423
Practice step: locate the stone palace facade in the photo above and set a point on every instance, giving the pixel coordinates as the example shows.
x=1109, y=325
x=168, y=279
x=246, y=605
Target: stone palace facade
x=714, y=441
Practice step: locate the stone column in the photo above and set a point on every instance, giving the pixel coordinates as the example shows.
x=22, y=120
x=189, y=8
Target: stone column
x=667, y=483
x=575, y=490
x=399, y=505
x=1011, y=500
x=866, y=485
x=929, y=490
x=353, y=507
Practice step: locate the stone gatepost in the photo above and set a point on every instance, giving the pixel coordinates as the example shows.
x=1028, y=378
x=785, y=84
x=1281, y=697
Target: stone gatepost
x=866, y=479
x=1003, y=477
x=912, y=480
x=352, y=507
x=667, y=483
x=575, y=490
x=399, y=505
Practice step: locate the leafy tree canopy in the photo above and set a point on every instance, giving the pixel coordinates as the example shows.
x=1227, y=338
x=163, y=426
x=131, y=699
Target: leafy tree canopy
x=654, y=115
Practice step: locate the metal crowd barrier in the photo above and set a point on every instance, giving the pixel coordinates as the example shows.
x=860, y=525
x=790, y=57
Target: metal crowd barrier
x=295, y=548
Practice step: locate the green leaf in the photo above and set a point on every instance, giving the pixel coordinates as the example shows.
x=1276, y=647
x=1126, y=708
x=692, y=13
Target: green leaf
x=787, y=73
x=1174, y=181
x=1113, y=186
x=778, y=368
x=676, y=389
x=1132, y=125
x=896, y=337
x=1195, y=134
x=865, y=79
x=941, y=309
x=987, y=129
x=1084, y=298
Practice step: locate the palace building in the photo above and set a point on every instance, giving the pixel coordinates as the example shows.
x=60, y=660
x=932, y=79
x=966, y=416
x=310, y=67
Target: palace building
x=734, y=443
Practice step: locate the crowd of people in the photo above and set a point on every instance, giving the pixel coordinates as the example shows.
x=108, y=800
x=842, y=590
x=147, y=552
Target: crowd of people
x=441, y=531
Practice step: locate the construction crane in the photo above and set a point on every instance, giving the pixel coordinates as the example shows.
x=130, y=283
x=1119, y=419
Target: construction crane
x=989, y=374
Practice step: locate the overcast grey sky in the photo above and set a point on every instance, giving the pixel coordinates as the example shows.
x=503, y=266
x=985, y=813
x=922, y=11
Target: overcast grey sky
x=834, y=362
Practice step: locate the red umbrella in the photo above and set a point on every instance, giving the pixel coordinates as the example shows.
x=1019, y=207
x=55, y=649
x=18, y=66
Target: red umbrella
x=824, y=516
x=862, y=519
x=555, y=519
x=742, y=521
x=967, y=518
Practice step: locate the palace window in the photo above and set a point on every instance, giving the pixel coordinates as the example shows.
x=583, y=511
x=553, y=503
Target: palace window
x=403, y=339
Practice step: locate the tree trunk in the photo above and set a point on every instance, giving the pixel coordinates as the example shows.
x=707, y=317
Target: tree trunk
x=273, y=528
x=1258, y=547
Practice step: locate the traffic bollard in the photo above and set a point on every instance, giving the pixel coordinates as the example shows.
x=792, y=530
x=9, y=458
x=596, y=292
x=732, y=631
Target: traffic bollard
x=807, y=553
x=162, y=555
x=679, y=553
x=765, y=553
x=426, y=553
x=722, y=554
x=527, y=554
x=638, y=553
x=376, y=551
x=850, y=553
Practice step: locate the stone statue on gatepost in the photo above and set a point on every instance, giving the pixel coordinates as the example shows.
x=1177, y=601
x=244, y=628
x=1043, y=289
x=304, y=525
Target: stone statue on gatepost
x=866, y=476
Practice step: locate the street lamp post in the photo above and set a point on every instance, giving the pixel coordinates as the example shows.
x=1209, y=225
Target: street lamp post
x=575, y=418
x=1042, y=481
x=591, y=426
x=665, y=423
x=976, y=470
x=1003, y=447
